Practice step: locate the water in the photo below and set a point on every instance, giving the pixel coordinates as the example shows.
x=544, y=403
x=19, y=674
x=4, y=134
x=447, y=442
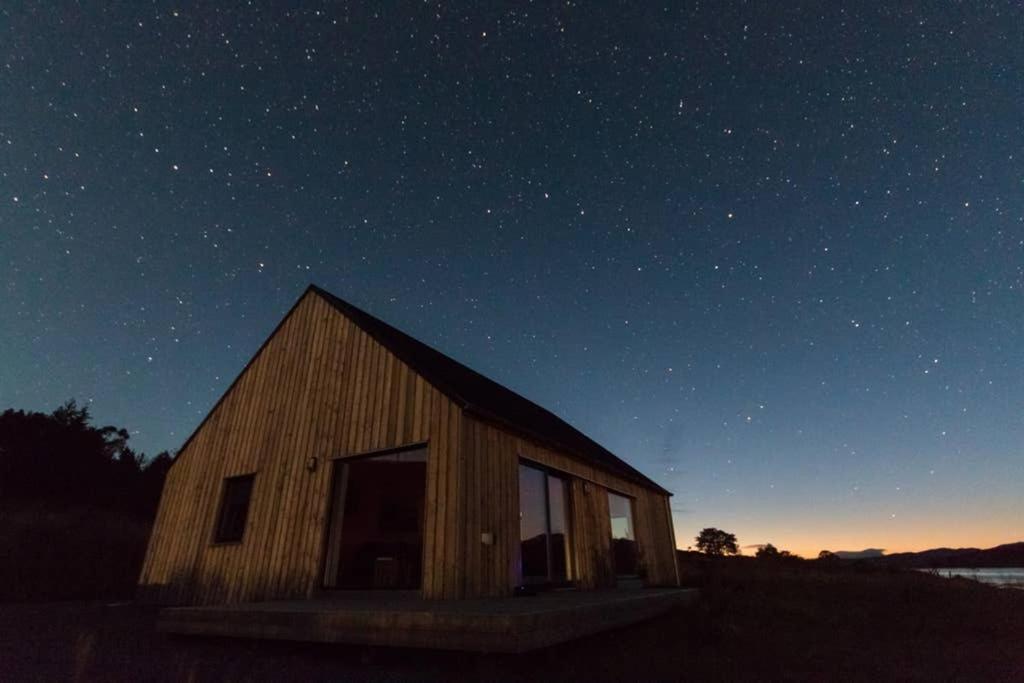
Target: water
x=1007, y=577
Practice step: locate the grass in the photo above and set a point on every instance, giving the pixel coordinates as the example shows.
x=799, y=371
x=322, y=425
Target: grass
x=805, y=620
x=753, y=621
x=50, y=553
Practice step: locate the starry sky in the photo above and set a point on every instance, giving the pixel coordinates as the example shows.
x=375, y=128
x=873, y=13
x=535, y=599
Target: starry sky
x=772, y=254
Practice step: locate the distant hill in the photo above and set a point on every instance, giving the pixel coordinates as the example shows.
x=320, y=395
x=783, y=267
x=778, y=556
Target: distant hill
x=866, y=554
x=1009, y=555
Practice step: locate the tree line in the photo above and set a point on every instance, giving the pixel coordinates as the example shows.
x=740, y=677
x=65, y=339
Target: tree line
x=76, y=506
x=61, y=459
x=712, y=541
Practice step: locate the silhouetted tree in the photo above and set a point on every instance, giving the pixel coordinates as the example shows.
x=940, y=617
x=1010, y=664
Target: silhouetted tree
x=769, y=551
x=60, y=458
x=712, y=541
x=70, y=415
x=827, y=556
x=77, y=502
x=152, y=480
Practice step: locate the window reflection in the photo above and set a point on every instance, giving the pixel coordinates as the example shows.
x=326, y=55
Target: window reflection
x=543, y=527
x=624, y=547
x=533, y=524
x=559, y=528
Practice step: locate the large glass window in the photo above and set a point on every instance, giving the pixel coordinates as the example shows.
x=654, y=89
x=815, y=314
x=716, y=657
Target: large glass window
x=543, y=527
x=558, y=528
x=533, y=523
x=624, y=548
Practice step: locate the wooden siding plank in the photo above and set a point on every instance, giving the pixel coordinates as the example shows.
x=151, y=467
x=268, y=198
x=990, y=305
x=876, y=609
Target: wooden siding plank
x=290, y=457
x=296, y=495
x=398, y=428
x=469, y=528
x=277, y=449
x=318, y=409
x=262, y=407
x=454, y=566
x=311, y=563
x=353, y=399
x=238, y=460
x=436, y=497
x=350, y=370
x=364, y=400
x=263, y=384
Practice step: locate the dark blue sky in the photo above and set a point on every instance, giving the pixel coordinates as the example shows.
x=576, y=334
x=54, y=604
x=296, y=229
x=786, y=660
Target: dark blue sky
x=773, y=256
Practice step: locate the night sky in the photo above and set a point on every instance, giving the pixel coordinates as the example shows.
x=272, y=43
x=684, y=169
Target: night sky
x=772, y=256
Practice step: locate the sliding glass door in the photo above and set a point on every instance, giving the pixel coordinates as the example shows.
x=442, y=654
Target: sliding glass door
x=543, y=527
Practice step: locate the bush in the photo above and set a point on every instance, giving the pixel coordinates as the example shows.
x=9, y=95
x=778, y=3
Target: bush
x=76, y=506
x=76, y=553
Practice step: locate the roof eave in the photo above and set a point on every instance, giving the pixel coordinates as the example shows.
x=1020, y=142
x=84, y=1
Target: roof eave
x=630, y=474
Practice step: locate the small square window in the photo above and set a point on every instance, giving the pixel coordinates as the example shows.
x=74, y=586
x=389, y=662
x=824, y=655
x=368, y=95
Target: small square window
x=234, y=509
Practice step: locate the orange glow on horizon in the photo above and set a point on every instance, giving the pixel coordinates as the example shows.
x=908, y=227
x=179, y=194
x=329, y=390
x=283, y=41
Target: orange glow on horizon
x=808, y=545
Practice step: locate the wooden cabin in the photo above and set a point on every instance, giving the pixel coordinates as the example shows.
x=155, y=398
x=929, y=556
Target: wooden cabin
x=348, y=455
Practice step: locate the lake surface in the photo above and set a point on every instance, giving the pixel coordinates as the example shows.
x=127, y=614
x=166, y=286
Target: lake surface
x=1009, y=577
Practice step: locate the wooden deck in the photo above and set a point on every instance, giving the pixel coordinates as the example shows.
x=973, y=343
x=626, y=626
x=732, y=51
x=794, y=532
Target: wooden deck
x=405, y=620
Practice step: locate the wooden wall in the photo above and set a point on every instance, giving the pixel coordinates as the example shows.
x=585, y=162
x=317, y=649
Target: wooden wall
x=592, y=535
x=320, y=387
x=491, y=504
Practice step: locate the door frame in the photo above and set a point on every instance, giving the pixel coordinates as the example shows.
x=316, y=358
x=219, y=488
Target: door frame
x=335, y=517
x=570, y=555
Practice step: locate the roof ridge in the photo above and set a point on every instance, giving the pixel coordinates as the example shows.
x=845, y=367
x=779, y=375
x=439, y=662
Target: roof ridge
x=423, y=359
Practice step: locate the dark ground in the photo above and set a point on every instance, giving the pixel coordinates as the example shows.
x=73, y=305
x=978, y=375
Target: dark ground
x=52, y=553
x=754, y=621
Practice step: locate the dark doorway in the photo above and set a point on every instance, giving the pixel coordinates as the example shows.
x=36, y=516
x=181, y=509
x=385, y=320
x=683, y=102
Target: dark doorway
x=376, y=535
x=543, y=527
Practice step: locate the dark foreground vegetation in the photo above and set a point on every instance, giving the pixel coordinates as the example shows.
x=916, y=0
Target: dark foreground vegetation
x=755, y=620
x=76, y=506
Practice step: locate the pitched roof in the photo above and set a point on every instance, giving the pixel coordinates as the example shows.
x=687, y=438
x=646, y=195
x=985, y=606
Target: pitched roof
x=485, y=397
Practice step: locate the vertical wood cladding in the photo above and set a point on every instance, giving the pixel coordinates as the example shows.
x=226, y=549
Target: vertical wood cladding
x=323, y=388
x=491, y=503
x=319, y=388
